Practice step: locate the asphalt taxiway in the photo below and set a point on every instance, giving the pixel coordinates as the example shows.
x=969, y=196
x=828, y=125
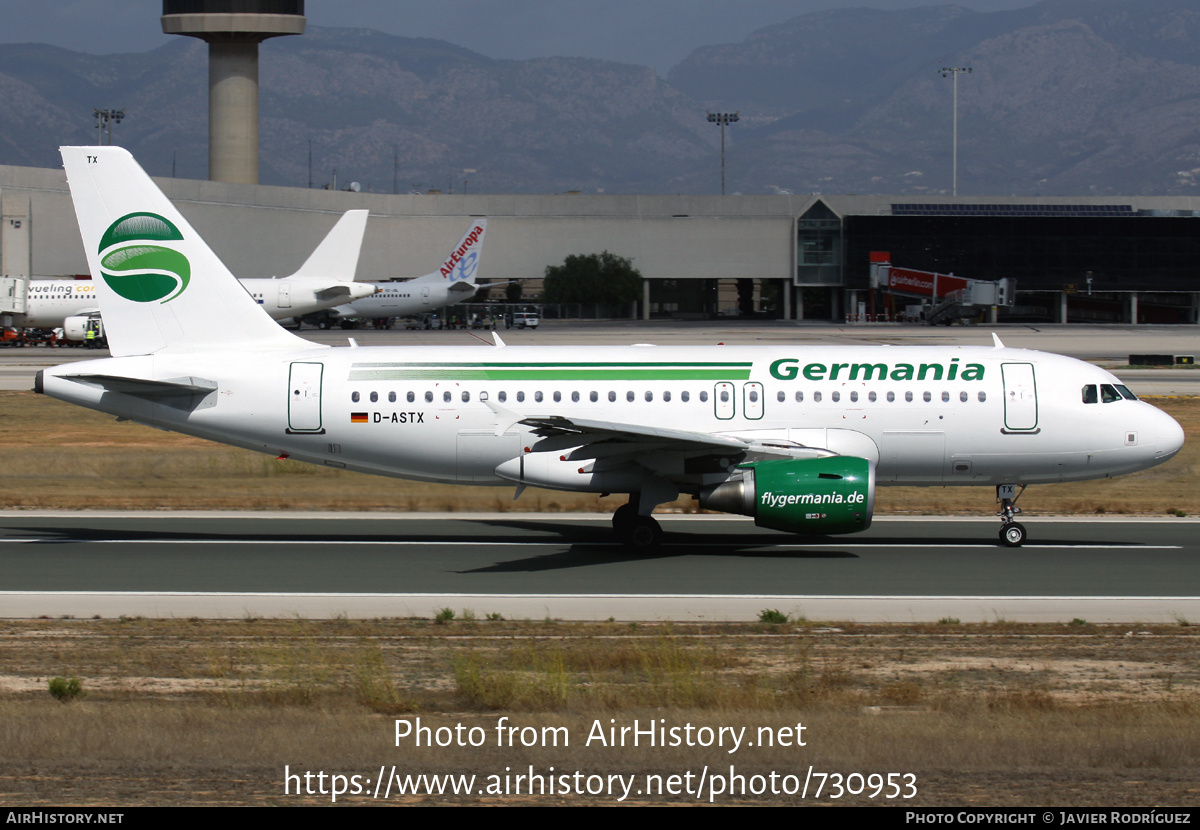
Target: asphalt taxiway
x=231, y=565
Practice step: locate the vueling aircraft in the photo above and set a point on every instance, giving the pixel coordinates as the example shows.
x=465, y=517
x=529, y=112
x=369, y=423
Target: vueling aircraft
x=453, y=282
x=796, y=436
x=324, y=280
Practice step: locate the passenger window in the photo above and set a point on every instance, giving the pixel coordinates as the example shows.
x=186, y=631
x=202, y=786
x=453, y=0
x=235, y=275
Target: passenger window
x=703, y=397
x=593, y=397
x=836, y=396
x=612, y=397
x=684, y=396
x=781, y=396
x=945, y=397
x=557, y=397
x=927, y=397
x=574, y=397
x=354, y=396
x=908, y=397
x=853, y=397
x=520, y=397
x=982, y=397
x=891, y=397
x=799, y=397
x=962, y=397
x=649, y=397
x=667, y=397
x=629, y=396
x=466, y=396
x=446, y=396
x=816, y=397
x=871, y=397
x=411, y=396
x=502, y=396
x=537, y=396
x=429, y=397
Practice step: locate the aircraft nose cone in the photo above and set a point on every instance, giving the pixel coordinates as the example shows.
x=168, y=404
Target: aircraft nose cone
x=1169, y=437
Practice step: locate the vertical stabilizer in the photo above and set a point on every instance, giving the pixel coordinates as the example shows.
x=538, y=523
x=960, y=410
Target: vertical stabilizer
x=336, y=258
x=462, y=264
x=161, y=289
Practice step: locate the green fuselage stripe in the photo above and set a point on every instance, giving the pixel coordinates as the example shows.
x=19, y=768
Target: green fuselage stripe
x=553, y=372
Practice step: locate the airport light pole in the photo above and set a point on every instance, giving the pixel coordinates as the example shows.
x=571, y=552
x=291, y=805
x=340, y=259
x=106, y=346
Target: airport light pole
x=106, y=118
x=722, y=118
x=955, y=71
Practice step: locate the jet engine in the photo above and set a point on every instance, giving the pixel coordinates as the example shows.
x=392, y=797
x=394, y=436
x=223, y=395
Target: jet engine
x=809, y=495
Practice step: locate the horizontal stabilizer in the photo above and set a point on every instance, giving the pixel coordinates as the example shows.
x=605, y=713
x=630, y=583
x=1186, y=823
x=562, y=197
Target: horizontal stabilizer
x=181, y=393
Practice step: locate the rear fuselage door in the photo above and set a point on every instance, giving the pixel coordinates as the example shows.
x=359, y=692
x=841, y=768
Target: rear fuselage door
x=304, y=397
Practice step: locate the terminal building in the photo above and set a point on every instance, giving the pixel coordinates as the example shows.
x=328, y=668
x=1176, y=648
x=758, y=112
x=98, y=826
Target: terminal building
x=1080, y=259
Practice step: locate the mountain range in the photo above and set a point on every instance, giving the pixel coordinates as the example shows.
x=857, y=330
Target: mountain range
x=1066, y=97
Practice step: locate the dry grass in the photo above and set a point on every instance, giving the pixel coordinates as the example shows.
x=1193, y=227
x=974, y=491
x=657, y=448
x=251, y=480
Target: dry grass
x=62, y=456
x=210, y=712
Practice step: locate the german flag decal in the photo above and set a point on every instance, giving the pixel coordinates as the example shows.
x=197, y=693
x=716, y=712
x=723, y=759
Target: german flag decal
x=359, y=418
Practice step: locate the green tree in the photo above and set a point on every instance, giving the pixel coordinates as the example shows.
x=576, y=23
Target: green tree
x=605, y=278
x=512, y=291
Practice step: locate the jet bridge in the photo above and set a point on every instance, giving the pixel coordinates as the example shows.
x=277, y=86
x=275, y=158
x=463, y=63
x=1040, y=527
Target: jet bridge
x=945, y=298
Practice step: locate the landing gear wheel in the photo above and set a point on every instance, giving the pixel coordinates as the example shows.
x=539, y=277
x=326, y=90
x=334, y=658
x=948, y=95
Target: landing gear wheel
x=1012, y=534
x=623, y=518
x=643, y=533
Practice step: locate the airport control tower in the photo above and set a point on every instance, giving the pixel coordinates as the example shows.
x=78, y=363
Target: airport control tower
x=233, y=30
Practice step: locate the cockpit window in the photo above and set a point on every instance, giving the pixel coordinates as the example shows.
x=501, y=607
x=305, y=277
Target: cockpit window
x=1089, y=394
x=1126, y=394
x=1109, y=393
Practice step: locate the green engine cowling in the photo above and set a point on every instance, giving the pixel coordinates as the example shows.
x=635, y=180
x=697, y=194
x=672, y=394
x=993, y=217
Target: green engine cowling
x=810, y=495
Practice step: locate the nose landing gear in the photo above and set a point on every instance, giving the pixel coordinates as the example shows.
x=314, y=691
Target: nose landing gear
x=1012, y=533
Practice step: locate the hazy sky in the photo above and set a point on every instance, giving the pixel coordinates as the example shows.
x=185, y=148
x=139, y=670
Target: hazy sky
x=655, y=32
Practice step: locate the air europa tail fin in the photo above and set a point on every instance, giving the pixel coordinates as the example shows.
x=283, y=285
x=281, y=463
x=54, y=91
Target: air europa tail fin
x=336, y=258
x=161, y=289
x=463, y=262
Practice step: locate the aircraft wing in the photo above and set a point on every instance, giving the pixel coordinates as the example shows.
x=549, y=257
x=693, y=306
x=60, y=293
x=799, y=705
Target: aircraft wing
x=644, y=444
x=592, y=431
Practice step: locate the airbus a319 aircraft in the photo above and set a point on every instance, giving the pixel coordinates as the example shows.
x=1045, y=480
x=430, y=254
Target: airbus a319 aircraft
x=797, y=437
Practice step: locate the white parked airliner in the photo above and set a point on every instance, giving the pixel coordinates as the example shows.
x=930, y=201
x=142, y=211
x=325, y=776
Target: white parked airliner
x=453, y=282
x=795, y=436
x=324, y=280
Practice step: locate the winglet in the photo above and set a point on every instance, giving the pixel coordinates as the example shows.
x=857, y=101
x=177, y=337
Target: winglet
x=996, y=340
x=499, y=343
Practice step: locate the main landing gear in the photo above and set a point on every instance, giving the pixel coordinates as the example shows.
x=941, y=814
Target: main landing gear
x=640, y=532
x=1012, y=533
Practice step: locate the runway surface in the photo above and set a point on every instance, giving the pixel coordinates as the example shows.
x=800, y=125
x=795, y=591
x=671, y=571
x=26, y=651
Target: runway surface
x=534, y=566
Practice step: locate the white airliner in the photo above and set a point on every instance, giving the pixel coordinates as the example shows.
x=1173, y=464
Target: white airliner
x=453, y=282
x=795, y=436
x=323, y=281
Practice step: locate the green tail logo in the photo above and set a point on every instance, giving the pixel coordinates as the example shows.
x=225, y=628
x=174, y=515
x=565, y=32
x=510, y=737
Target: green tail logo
x=135, y=268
